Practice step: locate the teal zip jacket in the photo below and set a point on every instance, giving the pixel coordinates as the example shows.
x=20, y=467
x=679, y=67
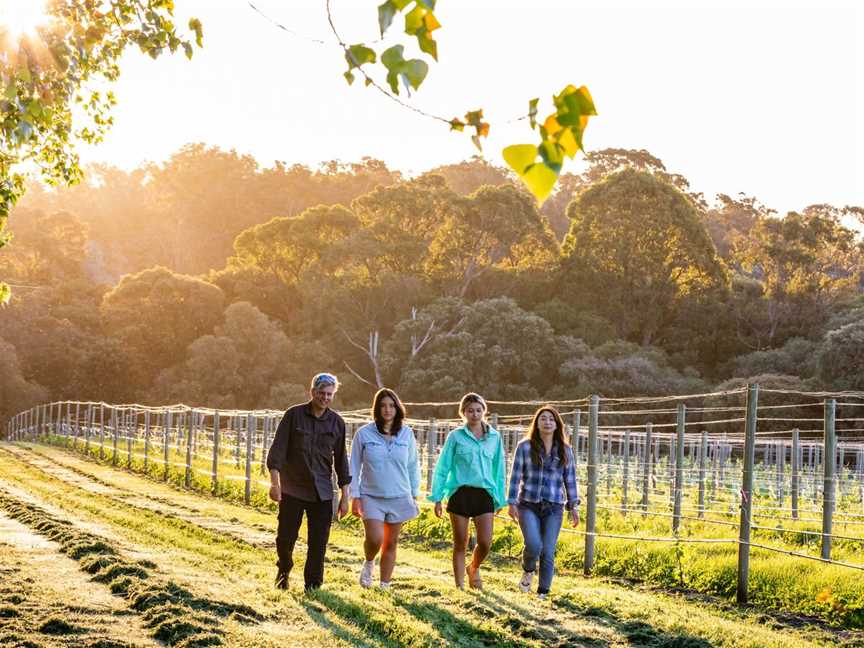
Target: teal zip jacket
x=465, y=461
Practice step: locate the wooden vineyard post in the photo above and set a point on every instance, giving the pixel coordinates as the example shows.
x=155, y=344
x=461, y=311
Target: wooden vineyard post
x=102, y=431
x=214, y=484
x=646, y=477
x=747, y=493
x=166, y=430
x=115, y=428
x=703, y=459
x=679, y=467
x=251, y=424
x=796, y=467
x=190, y=432
x=828, y=485
x=431, y=442
x=626, y=472
x=146, y=440
x=591, y=514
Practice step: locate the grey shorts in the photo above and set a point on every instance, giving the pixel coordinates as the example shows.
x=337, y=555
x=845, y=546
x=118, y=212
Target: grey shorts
x=389, y=509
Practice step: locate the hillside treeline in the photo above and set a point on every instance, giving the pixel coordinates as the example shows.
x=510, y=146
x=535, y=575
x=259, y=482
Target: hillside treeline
x=211, y=280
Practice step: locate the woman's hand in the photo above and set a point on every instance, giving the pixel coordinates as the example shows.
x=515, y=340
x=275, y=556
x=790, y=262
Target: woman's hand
x=574, y=516
x=513, y=512
x=439, y=510
x=357, y=507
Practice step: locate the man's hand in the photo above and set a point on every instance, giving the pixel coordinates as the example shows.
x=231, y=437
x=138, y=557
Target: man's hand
x=275, y=485
x=276, y=493
x=439, y=511
x=343, y=506
x=357, y=507
x=574, y=516
x=513, y=512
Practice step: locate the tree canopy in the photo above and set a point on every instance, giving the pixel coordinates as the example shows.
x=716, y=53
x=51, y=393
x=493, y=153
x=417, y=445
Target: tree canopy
x=43, y=78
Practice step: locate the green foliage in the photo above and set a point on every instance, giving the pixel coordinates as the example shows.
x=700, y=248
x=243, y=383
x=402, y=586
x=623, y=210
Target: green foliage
x=156, y=314
x=637, y=244
x=626, y=369
x=246, y=363
x=795, y=358
x=47, y=77
x=842, y=357
x=803, y=263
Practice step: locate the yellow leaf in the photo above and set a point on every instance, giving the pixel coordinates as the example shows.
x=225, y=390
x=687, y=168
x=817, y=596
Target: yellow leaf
x=431, y=22
x=540, y=180
x=520, y=156
x=587, y=95
x=551, y=125
x=568, y=142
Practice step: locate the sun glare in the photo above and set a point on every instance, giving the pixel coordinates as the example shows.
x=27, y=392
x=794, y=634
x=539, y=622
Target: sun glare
x=21, y=17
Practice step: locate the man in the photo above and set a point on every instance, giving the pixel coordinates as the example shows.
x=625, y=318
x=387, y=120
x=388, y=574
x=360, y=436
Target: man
x=309, y=443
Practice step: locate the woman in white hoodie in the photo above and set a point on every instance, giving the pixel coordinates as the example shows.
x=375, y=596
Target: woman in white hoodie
x=385, y=482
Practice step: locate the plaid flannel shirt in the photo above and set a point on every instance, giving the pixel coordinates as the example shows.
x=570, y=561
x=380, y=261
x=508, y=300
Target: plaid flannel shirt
x=546, y=482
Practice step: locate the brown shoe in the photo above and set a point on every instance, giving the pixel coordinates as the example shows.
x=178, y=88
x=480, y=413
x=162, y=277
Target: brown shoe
x=282, y=580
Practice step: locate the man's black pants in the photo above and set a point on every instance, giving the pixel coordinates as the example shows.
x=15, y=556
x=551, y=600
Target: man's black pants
x=319, y=515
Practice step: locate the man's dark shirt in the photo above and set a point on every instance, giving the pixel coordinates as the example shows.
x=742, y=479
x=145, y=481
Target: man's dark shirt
x=306, y=449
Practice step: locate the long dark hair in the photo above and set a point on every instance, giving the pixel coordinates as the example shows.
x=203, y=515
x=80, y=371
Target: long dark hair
x=376, y=411
x=533, y=435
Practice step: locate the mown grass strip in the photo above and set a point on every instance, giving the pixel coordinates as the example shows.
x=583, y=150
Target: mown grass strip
x=184, y=620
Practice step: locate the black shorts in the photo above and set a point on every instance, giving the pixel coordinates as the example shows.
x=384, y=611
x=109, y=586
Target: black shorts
x=469, y=501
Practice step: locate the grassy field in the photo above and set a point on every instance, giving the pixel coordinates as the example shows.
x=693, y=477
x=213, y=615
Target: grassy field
x=778, y=582
x=184, y=568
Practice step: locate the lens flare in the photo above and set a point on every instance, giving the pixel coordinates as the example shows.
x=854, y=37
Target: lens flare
x=21, y=17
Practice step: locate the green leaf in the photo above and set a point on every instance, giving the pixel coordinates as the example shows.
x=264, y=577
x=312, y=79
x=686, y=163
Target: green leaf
x=5, y=293
x=392, y=57
x=349, y=77
x=415, y=71
x=11, y=90
x=357, y=55
x=386, y=13
x=552, y=154
x=520, y=156
x=532, y=112
x=427, y=44
x=187, y=47
x=393, y=60
x=414, y=20
x=195, y=26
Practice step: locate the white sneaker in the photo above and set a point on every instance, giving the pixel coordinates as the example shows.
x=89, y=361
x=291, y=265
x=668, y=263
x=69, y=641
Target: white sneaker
x=384, y=585
x=525, y=583
x=542, y=596
x=366, y=573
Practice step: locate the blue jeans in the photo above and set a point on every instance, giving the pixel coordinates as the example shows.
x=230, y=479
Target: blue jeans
x=540, y=524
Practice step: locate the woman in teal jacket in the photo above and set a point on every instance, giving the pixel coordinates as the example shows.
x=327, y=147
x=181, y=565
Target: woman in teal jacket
x=470, y=476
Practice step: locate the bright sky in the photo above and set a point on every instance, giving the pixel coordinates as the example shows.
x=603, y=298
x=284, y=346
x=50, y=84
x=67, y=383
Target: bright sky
x=758, y=97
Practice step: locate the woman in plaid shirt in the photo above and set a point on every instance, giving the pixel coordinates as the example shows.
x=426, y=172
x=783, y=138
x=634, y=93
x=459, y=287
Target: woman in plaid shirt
x=542, y=487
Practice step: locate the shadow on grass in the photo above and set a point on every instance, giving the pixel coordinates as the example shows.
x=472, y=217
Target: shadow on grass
x=317, y=613
x=384, y=626
x=636, y=633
